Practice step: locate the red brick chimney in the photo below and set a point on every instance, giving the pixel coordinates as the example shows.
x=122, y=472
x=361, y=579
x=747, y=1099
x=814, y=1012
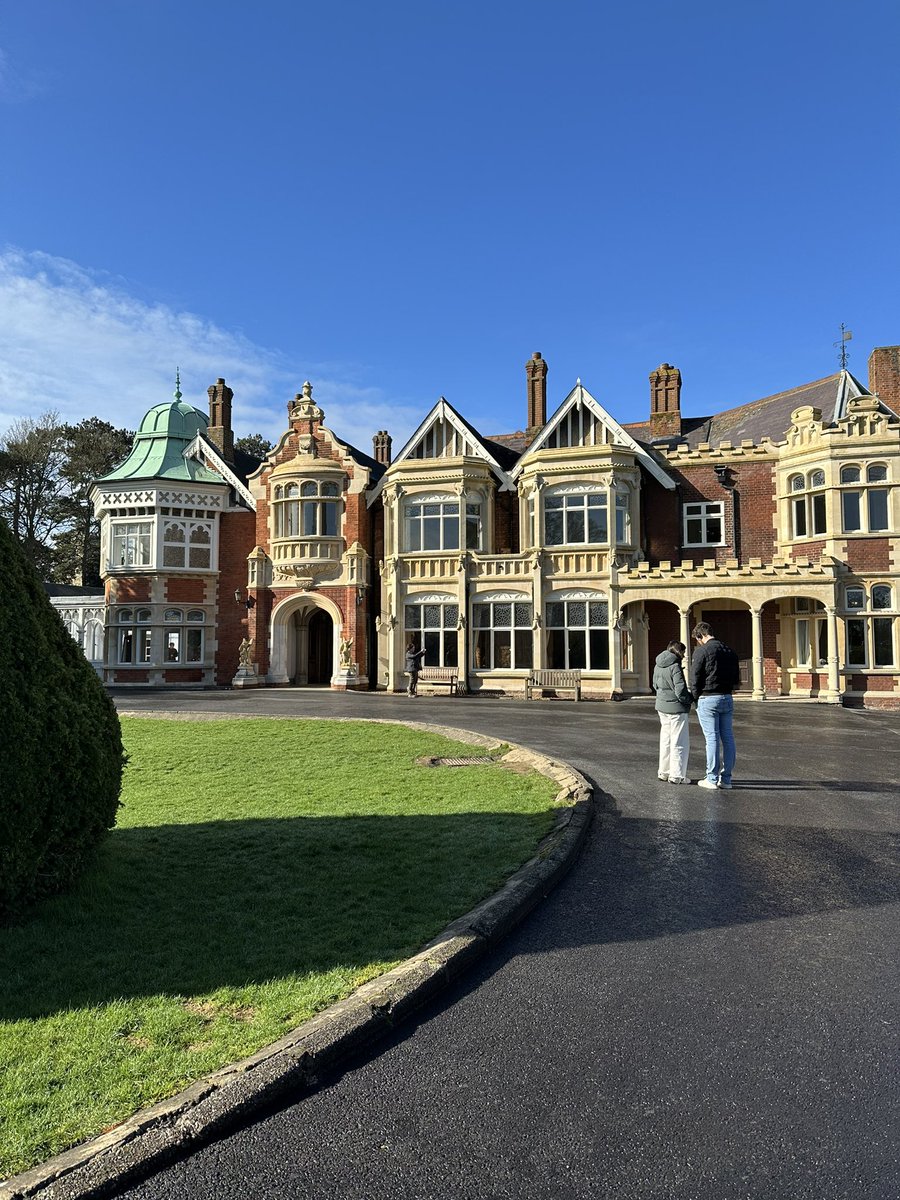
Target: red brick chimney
x=884, y=375
x=219, y=431
x=665, y=402
x=536, y=374
x=382, y=443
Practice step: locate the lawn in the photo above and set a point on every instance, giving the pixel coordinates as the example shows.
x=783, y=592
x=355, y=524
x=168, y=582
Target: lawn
x=260, y=870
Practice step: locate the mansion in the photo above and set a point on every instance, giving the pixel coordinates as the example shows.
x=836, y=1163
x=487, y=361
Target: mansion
x=576, y=542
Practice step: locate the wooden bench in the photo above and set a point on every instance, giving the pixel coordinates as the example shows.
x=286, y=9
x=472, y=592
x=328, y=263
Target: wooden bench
x=447, y=677
x=557, y=681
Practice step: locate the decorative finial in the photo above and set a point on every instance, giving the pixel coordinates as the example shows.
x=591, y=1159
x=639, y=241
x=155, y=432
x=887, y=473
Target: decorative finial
x=578, y=381
x=841, y=345
x=177, y=383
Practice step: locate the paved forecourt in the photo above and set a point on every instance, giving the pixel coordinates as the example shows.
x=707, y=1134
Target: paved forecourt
x=705, y=1007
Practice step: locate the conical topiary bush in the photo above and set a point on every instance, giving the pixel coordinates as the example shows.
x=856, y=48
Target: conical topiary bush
x=60, y=744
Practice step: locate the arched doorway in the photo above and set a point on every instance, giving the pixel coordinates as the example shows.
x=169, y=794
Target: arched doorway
x=320, y=649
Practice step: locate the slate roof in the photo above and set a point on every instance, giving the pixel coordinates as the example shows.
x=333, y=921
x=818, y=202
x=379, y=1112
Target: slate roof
x=769, y=417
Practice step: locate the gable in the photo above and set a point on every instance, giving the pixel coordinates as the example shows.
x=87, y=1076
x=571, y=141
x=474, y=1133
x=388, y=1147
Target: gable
x=582, y=422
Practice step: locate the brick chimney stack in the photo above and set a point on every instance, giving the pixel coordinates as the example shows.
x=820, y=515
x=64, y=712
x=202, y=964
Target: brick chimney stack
x=665, y=402
x=219, y=431
x=536, y=375
x=884, y=376
x=382, y=443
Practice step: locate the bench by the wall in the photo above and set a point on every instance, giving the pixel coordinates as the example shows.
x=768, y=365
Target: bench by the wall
x=447, y=677
x=557, y=681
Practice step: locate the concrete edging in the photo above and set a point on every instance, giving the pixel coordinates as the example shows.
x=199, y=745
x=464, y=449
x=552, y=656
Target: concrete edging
x=294, y=1064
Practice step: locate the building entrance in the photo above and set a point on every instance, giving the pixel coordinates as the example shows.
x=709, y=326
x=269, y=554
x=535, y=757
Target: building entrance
x=314, y=647
x=732, y=626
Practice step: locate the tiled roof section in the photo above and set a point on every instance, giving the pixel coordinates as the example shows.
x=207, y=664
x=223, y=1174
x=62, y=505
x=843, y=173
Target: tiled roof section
x=73, y=590
x=769, y=417
x=515, y=443
x=505, y=454
x=244, y=465
x=365, y=460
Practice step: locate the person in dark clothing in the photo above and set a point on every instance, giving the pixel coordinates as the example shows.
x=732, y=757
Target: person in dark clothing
x=714, y=676
x=413, y=663
x=673, y=703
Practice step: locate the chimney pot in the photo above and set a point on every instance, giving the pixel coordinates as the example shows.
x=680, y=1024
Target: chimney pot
x=884, y=376
x=665, y=402
x=536, y=376
x=219, y=430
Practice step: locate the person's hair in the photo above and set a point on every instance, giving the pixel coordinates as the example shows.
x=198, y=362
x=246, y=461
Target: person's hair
x=677, y=648
x=702, y=630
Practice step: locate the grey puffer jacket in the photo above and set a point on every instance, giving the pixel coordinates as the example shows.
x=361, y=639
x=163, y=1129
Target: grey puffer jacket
x=672, y=693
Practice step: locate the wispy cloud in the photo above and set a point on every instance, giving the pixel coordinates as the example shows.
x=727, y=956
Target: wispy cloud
x=15, y=88
x=79, y=342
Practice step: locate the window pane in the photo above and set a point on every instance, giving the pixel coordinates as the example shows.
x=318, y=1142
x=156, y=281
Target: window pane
x=481, y=615
x=694, y=531
x=577, y=649
x=878, y=510
x=173, y=645
x=432, y=614
x=482, y=649
x=144, y=642
x=855, y=597
x=308, y=489
x=126, y=646
x=473, y=529
x=414, y=535
x=143, y=614
x=196, y=615
x=555, y=613
x=502, y=649
x=849, y=474
x=330, y=489
x=881, y=596
x=502, y=616
x=818, y=513
x=796, y=483
x=802, y=643
x=599, y=613
x=329, y=519
x=173, y=556
x=577, y=613
x=856, y=643
x=431, y=644
x=553, y=527
x=451, y=533
x=413, y=616
x=451, y=657
x=194, y=645
x=575, y=528
x=173, y=614
x=876, y=473
x=823, y=642
x=799, y=518
x=431, y=510
x=451, y=616
x=523, y=615
x=714, y=529
x=882, y=638
x=553, y=502
x=310, y=514
x=556, y=648
x=431, y=531
x=596, y=525
x=599, y=650
x=817, y=479
x=198, y=557
x=850, y=502
x=125, y=614
x=523, y=648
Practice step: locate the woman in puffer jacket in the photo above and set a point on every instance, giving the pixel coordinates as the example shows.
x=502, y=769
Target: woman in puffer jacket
x=673, y=703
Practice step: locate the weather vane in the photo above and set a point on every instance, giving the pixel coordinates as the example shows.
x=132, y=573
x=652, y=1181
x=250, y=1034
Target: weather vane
x=846, y=335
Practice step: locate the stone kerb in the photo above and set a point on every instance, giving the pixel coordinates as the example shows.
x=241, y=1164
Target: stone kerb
x=295, y=1063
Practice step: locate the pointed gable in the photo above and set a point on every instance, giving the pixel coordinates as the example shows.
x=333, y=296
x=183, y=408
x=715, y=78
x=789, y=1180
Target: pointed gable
x=445, y=434
x=581, y=421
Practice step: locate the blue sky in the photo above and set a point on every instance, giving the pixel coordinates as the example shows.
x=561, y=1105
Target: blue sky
x=402, y=201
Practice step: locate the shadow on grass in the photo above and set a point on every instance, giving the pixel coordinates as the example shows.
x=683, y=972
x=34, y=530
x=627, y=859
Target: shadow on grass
x=185, y=909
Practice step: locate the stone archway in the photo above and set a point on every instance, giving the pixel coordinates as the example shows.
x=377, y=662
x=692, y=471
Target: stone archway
x=305, y=632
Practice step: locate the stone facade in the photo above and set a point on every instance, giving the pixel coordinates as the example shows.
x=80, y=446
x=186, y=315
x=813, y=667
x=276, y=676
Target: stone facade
x=574, y=543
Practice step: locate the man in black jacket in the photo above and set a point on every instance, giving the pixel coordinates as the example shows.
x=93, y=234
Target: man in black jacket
x=714, y=676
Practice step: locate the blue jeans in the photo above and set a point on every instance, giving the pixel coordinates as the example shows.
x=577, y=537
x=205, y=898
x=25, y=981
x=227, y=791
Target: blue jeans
x=715, y=713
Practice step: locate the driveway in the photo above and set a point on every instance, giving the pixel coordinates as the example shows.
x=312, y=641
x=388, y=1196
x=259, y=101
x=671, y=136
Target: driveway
x=706, y=1006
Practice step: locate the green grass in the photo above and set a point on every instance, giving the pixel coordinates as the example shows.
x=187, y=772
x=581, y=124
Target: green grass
x=259, y=871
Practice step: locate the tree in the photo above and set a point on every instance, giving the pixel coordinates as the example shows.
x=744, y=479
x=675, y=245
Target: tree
x=31, y=458
x=254, y=444
x=62, y=746
x=92, y=448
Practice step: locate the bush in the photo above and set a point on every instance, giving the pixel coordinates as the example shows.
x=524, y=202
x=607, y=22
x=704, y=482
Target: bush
x=61, y=763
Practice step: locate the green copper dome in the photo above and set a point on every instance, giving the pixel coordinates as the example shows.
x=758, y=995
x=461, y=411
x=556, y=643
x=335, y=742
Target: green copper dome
x=158, y=452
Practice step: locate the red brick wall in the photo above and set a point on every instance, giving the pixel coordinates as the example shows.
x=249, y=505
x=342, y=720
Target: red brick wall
x=128, y=589
x=751, y=498
x=237, y=537
x=132, y=676
x=884, y=375
x=191, y=675
x=772, y=684
x=506, y=524
x=182, y=590
x=660, y=521
x=868, y=554
x=811, y=550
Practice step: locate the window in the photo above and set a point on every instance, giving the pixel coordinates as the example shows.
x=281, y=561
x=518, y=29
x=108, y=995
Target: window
x=503, y=635
x=865, y=508
x=431, y=623
x=812, y=634
x=870, y=635
x=187, y=544
x=310, y=509
x=808, y=511
x=578, y=634
x=704, y=523
x=432, y=524
x=134, y=635
x=183, y=635
x=577, y=518
x=131, y=542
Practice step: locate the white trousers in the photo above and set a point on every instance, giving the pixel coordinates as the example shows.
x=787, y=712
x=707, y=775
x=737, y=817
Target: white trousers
x=674, y=744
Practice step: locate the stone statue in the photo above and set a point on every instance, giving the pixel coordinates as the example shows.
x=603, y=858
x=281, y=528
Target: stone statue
x=346, y=647
x=244, y=649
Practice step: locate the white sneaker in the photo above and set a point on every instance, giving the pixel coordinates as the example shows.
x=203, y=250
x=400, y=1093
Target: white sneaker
x=684, y=779
x=662, y=778
x=710, y=787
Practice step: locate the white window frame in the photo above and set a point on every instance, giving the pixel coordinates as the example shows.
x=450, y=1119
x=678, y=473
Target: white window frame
x=516, y=636
x=307, y=502
x=568, y=627
x=578, y=503
x=439, y=639
x=132, y=542
x=808, y=505
x=864, y=490
x=446, y=520
x=870, y=620
x=184, y=642
x=134, y=636
x=710, y=510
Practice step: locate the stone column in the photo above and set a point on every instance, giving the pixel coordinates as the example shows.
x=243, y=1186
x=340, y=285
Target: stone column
x=833, y=695
x=684, y=618
x=759, y=683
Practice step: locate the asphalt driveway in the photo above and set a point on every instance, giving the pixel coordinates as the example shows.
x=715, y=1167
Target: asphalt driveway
x=706, y=1007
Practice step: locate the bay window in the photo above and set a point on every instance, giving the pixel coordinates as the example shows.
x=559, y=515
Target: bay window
x=578, y=634
x=503, y=637
x=134, y=635
x=131, y=544
x=865, y=506
x=431, y=624
x=870, y=631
